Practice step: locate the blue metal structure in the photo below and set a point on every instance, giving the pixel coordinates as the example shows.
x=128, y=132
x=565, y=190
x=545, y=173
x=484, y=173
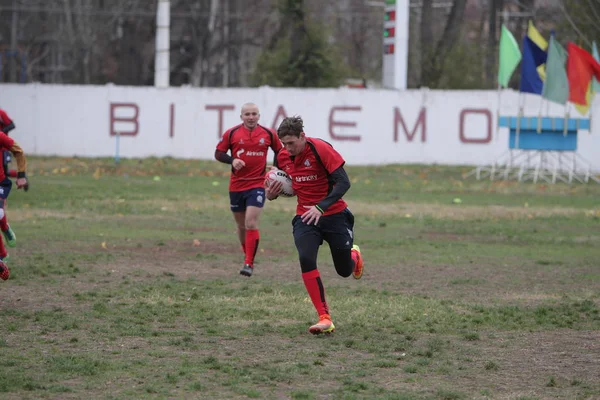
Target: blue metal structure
x=545, y=133
x=541, y=149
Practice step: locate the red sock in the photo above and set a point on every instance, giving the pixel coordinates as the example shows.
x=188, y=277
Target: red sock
x=252, y=239
x=3, y=252
x=4, y=221
x=12, y=173
x=316, y=291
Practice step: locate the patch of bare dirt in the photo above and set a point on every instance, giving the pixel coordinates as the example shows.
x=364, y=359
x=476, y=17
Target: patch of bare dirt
x=559, y=364
x=190, y=259
x=507, y=282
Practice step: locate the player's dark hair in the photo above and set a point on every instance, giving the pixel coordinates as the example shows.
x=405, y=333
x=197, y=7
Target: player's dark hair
x=291, y=126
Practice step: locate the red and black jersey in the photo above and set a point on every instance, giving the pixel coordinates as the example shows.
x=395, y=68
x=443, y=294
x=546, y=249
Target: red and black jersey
x=4, y=120
x=250, y=147
x=310, y=172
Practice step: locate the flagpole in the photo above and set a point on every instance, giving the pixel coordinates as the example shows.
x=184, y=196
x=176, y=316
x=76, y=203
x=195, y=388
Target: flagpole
x=498, y=112
x=539, y=119
x=592, y=91
x=519, y=115
x=509, y=57
x=566, y=121
x=590, y=117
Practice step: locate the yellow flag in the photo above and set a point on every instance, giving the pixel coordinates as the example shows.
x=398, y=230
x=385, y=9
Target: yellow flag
x=537, y=38
x=589, y=96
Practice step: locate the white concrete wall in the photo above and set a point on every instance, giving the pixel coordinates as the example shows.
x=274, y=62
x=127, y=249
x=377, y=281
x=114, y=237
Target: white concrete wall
x=366, y=126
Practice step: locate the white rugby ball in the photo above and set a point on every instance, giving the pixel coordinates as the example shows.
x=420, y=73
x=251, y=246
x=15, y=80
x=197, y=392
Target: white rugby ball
x=278, y=175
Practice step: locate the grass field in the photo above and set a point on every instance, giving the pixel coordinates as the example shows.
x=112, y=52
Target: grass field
x=126, y=286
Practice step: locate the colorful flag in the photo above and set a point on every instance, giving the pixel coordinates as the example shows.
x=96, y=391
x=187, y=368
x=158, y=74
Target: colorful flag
x=589, y=95
x=509, y=56
x=537, y=38
x=592, y=87
x=581, y=66
x=533, y=57
x=556, y=85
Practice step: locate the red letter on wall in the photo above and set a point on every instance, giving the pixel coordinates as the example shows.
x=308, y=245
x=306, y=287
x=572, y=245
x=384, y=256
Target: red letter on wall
x=122, y=108
x=220, y=109
x=280, y=113
x=421, y=121
x=333, y=123
x=487, y=114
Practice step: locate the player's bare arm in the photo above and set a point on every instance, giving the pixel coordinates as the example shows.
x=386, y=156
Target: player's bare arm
x=19, y=155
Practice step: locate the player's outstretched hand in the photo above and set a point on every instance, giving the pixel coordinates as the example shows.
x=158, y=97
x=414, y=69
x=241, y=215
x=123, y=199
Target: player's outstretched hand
x=311, y=216
x=22, y=183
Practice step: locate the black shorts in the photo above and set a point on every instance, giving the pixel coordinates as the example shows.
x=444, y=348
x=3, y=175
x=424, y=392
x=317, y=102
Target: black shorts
x=251, y=197
x=336, y=229
x=5, y=187
x=6, y=158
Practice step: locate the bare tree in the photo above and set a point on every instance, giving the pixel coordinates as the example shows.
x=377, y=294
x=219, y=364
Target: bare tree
x=358, y=34
x=214, y=39
x=492, y=42
x=219, y=42
x=433, y=61
x=581, y=18
x=426, y=38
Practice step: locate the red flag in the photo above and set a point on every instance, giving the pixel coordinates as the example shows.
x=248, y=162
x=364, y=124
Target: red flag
x=580, y=68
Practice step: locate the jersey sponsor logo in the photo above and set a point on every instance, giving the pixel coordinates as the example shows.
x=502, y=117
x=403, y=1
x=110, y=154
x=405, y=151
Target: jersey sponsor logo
x=239, y=152
x=306, y=178
x=255, y=153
